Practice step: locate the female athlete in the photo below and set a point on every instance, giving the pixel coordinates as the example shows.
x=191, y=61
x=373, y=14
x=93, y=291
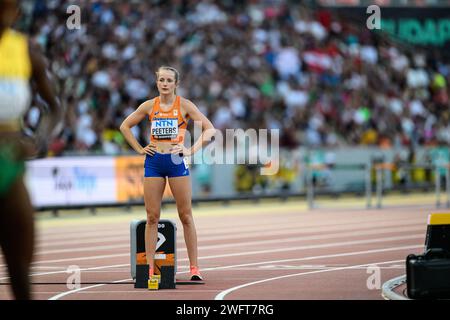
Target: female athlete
x=168, y=115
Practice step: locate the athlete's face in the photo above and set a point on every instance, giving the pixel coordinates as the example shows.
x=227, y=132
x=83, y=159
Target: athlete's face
x=8, y=13
x=166, y=81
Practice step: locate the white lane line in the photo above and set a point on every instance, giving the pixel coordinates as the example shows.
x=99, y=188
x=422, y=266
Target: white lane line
x=305, y=222
x=224, y=293
x=337, y=255
x=82, y=235
x=301, y=267
x=81, y=269
x=146, y=292
x=75, y=239
x=63, y=294
x=126, y=232
x=315, y=246
x=298, y=248
x=47, y=267
x=314, y=237
x=44, y=243
x=123, y=230
x=220, y=246
x=297, y=231
x=249, y=243
x=84, y=249
x=50, y=244
x=237, y=254
x=97, y=257
x=58, y=296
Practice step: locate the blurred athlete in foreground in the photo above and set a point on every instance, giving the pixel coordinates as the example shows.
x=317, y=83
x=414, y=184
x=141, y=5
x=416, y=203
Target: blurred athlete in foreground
x=20, y=63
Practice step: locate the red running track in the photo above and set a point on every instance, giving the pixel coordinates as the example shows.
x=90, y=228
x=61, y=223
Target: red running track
x=320, y=254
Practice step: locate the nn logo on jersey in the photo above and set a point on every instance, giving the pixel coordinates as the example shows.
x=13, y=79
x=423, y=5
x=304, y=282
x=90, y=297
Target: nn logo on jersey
x=164, y=123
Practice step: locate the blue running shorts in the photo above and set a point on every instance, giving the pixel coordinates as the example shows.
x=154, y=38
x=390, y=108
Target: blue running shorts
x=165, y=165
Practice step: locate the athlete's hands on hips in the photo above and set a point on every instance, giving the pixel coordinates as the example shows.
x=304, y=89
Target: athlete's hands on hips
x=180, y=149
x=149, y=149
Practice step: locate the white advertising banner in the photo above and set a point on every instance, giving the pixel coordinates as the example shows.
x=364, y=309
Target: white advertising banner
x=71, y=181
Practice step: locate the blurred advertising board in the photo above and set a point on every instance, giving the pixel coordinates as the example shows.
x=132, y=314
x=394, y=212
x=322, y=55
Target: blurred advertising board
x=394, y=3
x=129, y=173
x=71, y=181
x=428, y=27
x=74, y=181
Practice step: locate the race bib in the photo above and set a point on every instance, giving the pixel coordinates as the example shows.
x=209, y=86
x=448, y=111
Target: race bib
x=164, y=128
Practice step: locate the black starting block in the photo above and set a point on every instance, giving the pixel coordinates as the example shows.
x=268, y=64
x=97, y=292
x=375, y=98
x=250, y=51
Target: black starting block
x=438, y=232
x=165, y=255
x=428, y=274
x=141, y=276
x=167, y=277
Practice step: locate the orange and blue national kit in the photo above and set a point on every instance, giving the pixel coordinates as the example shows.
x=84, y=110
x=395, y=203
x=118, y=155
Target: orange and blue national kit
x=167, y=126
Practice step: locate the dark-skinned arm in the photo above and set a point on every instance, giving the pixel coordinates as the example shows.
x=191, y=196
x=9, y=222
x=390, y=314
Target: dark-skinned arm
x=51, y=122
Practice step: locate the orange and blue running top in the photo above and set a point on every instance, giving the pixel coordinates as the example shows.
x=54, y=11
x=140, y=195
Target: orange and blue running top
x=170, y=125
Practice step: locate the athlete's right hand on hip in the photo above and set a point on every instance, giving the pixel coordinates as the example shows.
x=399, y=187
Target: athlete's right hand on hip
x=149, y=149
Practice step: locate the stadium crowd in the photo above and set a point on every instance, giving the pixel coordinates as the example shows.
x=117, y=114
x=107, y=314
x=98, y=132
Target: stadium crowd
x=246, y=64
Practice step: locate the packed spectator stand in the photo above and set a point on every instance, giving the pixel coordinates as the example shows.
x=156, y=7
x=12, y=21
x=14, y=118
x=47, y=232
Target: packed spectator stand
x=322, y=80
